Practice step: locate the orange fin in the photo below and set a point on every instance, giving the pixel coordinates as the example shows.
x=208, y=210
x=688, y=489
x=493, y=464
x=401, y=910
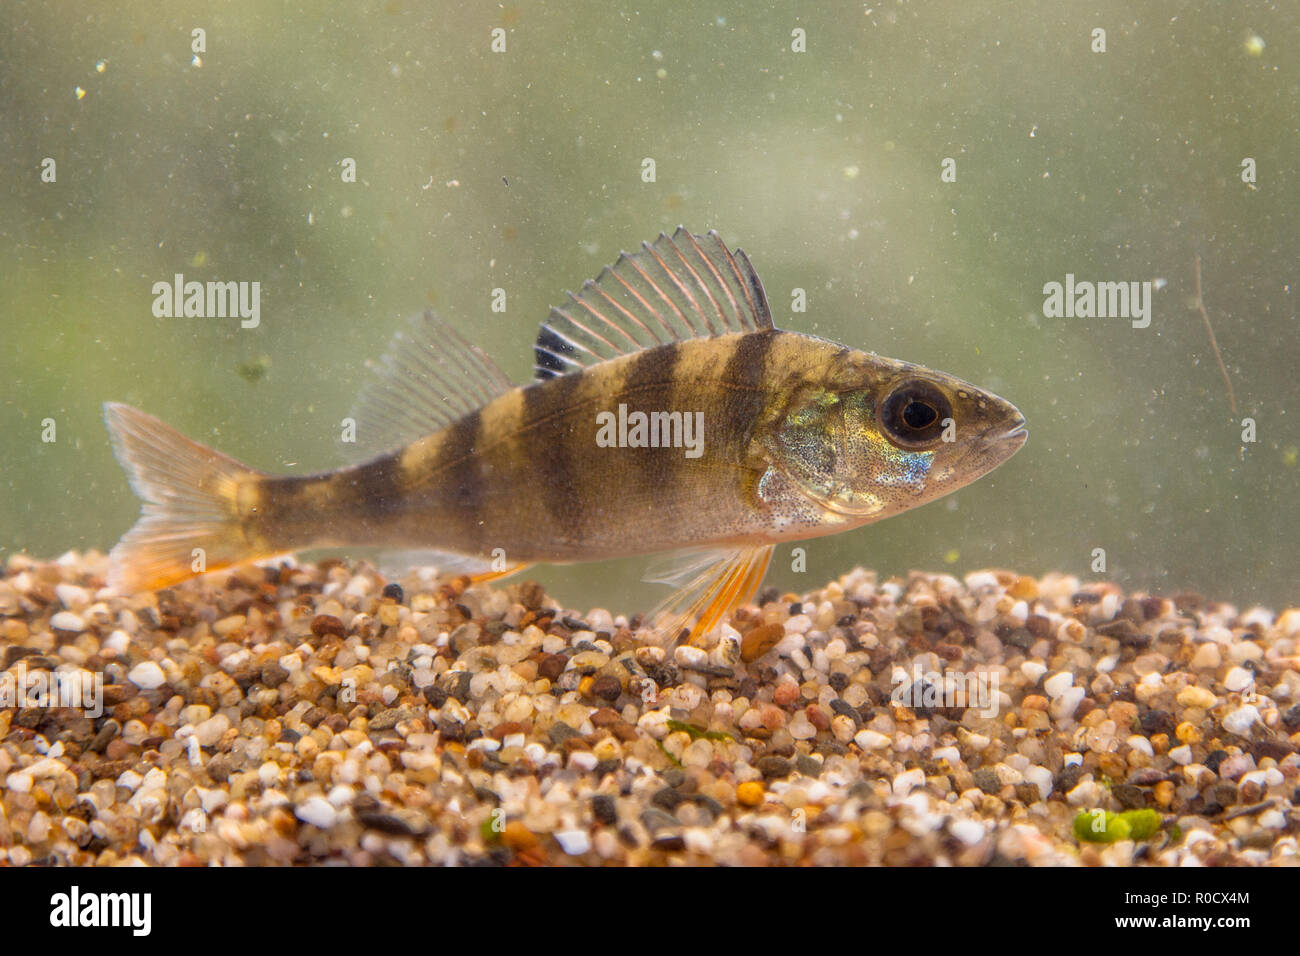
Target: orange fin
x=395, y=563
x=716, y=589
x=190, y=521
x=487, y=576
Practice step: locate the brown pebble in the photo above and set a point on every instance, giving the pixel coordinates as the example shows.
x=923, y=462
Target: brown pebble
x=817, y=717
x=552, y=666
x=1038, y=625
x=503, y=730
x=323, y=624
x=758, y=641
x=606, y=687
x=786, y=693
x=1025, y=589
x=273, y=675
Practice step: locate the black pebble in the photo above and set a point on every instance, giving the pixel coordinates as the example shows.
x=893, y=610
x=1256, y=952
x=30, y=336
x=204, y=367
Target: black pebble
x=604, y=809
x=1292, y=717
x=395, y=592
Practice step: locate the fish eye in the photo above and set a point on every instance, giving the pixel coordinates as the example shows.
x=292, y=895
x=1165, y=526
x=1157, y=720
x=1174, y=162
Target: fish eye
x=912, y=415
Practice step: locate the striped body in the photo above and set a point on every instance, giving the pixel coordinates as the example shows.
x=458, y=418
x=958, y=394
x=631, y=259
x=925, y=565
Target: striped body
x=524, y=473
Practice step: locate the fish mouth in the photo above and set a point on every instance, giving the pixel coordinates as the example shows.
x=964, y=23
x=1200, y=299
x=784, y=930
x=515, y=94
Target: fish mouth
x=1015, y=434
x=1004, y=439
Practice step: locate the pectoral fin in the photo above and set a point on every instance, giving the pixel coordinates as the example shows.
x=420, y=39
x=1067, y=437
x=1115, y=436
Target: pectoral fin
x=710, y=589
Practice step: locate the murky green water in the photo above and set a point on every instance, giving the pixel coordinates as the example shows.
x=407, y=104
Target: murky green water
x=522, y=170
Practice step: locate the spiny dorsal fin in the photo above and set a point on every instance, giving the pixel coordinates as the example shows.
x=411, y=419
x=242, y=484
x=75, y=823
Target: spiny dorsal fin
x=428, y=379
x=677, y=288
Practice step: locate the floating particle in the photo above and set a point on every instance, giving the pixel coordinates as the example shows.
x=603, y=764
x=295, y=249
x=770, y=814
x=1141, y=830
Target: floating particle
x=81, y=94
x=1254, y=45
x=100, y=66
x=254, y=370
x=952, y=556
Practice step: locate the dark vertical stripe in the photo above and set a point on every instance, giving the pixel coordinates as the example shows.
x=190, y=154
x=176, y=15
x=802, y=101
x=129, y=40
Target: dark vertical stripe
x=651, y=385
x=378, y=485
x=557, y=443
x=652, y=367
x=461, y=466
x=744, y=379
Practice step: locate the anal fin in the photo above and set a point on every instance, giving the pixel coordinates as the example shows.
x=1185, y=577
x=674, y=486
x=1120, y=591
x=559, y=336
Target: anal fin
x=716, y=589
x=396, y=563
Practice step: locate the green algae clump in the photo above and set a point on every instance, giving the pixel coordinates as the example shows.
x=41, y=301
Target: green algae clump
x=1102, y=826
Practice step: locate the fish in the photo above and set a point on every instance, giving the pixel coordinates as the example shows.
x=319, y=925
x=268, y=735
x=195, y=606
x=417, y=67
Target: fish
x=667, y=415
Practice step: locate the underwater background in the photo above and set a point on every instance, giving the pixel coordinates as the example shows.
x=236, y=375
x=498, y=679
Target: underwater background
x=522, y=170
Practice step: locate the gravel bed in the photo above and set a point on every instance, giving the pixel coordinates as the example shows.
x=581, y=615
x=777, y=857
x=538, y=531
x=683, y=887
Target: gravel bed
x=319, y=714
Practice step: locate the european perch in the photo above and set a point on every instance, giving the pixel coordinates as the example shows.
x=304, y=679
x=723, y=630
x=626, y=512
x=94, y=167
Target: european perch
x=667, y=414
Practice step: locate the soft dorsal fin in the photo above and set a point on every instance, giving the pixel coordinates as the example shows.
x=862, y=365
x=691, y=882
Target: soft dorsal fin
x=677, y=288
x=428, y=379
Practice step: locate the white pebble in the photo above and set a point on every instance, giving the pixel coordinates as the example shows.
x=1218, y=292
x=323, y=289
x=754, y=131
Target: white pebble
x=573, y=842
x=1141, y=744
x=317, y=811
x=1238, y=679
x=1033, y=670
x=908, y=780
x=1241, y=720
x=1181, y=755
x=1058, y=684
x=1086, y=794
x=19, y=782
x=118, y=642
x=871, y=740
x=688, y=656
x=801, y=727
x=147, y=675
x=210, y=731
x=1065, y=705
x=1040, y=777
x=583, y=760
x=969, y=832
x=67, y=621
x=1241, y=651
x=798, y=624
x=71, y=596
x=1273, y=819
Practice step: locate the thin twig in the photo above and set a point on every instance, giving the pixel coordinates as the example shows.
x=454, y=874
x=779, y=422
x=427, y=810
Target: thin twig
x=1200, y=305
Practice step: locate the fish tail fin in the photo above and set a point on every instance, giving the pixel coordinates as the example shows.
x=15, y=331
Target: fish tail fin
x=190, y=522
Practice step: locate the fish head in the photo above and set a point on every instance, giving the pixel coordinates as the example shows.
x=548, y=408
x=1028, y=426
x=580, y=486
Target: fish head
x=870, y=437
